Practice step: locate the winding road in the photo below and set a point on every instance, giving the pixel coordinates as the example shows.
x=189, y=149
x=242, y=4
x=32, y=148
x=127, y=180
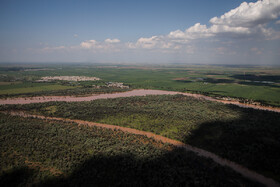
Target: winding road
x=224, y=162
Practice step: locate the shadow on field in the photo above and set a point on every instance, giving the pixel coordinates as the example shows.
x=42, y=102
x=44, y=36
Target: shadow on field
x=258, y=84
x=16, y=177
x=211, y=80
x=252, y=77
x=258, y=80
x=252, y=140
x=175, y=168
x=184, y=81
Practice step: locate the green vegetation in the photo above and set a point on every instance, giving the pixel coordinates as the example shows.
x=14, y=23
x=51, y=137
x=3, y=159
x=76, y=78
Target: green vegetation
x=58, y=88
x=79, y=91
x=260, y=84
x=24, y=88
x=41, y=153
x=246, y=136
x=8, y=83
x=21, y=82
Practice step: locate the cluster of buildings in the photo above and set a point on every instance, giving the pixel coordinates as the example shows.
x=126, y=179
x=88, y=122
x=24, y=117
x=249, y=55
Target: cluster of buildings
x=82, y=78
x=68, y=78
x=116, y=84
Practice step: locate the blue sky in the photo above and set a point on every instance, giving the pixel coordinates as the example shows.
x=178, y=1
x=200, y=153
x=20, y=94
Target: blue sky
x=173, y=31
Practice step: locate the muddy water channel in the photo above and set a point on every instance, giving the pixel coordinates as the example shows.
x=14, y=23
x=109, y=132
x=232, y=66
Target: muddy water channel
x=139, y=92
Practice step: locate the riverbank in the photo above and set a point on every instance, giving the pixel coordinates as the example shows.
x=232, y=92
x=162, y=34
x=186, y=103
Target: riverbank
x=132, y=93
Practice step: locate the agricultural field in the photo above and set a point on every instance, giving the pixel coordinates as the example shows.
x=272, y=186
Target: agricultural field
x=246, y=136
x=21, y=82
x=23, y=88
x=45, y=153
x=247, y=83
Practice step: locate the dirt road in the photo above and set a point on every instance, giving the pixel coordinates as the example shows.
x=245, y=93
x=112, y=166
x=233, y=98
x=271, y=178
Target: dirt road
x=236, y=167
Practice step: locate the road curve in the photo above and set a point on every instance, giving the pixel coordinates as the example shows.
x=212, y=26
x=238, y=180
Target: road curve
x=139, y=92
x=224, y=162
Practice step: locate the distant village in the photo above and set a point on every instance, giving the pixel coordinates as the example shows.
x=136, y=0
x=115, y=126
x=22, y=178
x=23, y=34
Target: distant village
x=82, y=78
x=116, y=84
x=68, y=78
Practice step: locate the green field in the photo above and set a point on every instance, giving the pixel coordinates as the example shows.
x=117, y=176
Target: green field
x=35, y=152
x=23, y=88
x=246, y=136
x=55, y=90
x=254, y=83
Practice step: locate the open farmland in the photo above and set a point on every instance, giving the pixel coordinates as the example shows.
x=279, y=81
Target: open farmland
x=16, y=82
x=248, y=84
x=23, y=88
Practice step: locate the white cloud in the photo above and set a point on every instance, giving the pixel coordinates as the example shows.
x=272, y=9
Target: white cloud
x=247, y=21
x=217, y=29
x=89, y=44
x=108, y=45
x=194, y=32
x=250, y=14
x=198, y=31
x=147, y=43
x=155, y=42
x=176, y=34
x=108, y=40
x=93, y=44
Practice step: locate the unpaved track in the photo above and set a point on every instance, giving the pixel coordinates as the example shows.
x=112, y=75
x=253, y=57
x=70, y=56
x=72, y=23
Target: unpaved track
x=140, y=92
x=236, y=167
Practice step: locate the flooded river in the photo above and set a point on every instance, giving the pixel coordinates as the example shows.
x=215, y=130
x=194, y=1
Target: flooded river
x=139, y=92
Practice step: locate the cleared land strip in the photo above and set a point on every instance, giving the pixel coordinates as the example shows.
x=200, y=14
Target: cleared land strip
x=236, y=167
x=139, y=92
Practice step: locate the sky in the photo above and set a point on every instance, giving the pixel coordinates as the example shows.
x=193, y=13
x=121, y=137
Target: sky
x=146, y=31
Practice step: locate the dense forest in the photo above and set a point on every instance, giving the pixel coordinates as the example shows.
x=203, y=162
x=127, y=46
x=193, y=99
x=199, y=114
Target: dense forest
x=44, y=153
x=246, y=136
